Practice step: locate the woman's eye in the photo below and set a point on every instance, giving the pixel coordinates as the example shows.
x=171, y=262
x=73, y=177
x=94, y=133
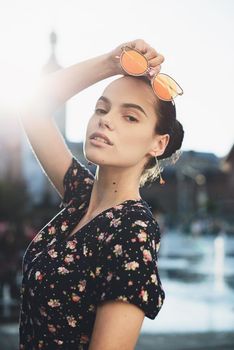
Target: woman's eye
x=133, y=119
x=99, y=110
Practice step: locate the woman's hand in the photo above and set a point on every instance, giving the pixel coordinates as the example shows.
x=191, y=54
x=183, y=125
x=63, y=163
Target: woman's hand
x=155, y=59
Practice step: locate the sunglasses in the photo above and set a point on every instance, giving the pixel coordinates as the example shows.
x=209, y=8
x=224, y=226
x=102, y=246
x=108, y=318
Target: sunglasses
x=135, y=63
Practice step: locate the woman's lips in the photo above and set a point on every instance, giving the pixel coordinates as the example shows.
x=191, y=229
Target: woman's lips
x=99, y=143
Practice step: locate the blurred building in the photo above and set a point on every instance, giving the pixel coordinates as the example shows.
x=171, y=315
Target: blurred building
x=17, y=160
x=199, y=184
x=10, y=147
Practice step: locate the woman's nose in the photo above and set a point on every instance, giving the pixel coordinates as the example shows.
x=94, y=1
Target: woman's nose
x=104, y=120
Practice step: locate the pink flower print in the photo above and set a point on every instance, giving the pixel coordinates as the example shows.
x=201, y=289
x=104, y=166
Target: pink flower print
x=88, y=181
x=64, y=225
x=116, y=222
x=82, y=285
x=118, y=249
x=130, y=283
x=90, y=252
x=118, y=207
x=140, y=223
x=122, y=297
x=82, y=206
x=92, y=308
x=71, y=244
x=154, y=278
x=31, y=292
x=51, y=328
x=53, y=253
x=85, y=250
x=71, y=321
x=101, y=236
x=109, y=215
x=51, y=230
x=38, y=276
x=138, y=205
x=54, y=303
x=109, y=238
x=75, y=297
x=38, y=238
x=132, y=265
x=142, y=236
x=84, y=339
x=160, y=301
x=71, y=210
x=109, y=276
x=103, y=295
x=68, y=258
x=74, y=172
x=42, y=311
x=51, y=242
x=62, y=270
x=92, y=274
x=144, y=295
x=147, y=255
x=58, y=341
x=157, y=246
x=98, y=270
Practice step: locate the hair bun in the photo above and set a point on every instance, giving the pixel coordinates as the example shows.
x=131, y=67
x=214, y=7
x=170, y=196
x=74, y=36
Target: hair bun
x=176, y=139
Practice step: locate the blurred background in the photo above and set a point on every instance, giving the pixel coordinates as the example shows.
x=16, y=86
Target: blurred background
x=195, y=209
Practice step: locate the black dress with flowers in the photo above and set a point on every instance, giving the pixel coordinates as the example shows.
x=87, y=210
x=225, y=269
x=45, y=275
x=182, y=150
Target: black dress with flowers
x=113, y=257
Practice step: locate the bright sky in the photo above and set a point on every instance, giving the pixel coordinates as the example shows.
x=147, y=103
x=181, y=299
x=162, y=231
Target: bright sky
x=195, y=37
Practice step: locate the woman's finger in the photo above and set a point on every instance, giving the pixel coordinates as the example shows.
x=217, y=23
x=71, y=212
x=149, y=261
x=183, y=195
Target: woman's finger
x=156, y=60
x=150, y=53
x=140, y=45
x=153, y=71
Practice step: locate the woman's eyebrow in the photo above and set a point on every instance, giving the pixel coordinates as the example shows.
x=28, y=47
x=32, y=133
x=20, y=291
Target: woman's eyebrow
x=126, y=105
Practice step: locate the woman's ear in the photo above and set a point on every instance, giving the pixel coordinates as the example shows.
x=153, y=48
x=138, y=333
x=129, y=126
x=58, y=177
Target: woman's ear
x=160, y=145
x=163, y=142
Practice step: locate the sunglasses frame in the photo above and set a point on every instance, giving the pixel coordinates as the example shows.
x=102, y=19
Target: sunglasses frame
x=123, y=48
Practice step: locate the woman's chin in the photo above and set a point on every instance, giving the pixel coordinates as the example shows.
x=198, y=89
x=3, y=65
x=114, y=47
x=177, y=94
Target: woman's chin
x=96, y=159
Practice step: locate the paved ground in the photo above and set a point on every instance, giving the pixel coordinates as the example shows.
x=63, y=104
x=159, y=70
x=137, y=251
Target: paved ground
x=187, y=341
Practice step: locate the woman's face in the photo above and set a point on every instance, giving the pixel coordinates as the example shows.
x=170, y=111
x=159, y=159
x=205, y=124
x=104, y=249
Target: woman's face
x=129, y=128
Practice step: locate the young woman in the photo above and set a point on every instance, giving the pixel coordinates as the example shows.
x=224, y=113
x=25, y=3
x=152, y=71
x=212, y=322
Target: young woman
x=90, y=275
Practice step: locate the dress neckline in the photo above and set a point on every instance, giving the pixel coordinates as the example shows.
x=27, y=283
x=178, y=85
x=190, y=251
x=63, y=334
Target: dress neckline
x=71, y=237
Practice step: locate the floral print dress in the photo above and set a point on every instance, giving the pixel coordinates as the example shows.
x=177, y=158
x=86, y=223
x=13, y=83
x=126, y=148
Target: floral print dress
x=113, y=257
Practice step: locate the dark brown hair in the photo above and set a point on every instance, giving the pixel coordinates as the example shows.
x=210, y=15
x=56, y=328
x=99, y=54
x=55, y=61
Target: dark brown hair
x=166, y=123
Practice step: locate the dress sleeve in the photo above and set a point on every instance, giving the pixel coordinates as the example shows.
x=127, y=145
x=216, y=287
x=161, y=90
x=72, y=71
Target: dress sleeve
x=77, y=182
x=128, y=264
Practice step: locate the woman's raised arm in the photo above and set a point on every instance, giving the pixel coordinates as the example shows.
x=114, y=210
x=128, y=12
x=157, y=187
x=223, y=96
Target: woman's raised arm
x=36, y=115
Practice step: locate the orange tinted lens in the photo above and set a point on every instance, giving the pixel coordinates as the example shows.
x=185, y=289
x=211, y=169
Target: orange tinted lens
x=133, y=62
x=165, y=87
